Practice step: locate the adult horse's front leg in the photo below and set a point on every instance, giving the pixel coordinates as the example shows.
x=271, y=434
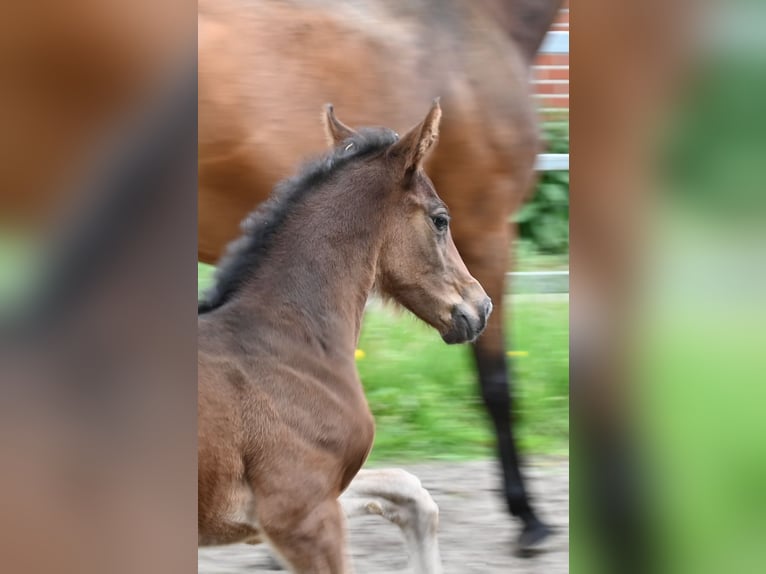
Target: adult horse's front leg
x=398, y=496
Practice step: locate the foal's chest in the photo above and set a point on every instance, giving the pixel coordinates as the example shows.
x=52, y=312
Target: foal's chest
x=328, y=422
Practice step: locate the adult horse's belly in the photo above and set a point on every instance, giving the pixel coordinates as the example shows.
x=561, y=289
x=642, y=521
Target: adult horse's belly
x=265, y=73
x=266, y=69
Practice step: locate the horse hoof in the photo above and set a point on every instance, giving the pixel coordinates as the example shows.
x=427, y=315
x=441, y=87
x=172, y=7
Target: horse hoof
x=532, y=538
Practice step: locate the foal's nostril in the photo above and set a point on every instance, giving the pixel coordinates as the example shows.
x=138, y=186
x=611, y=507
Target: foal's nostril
x=467, y=322
x=462, y=321
x=463, y=317
x=484, y=310
x=487, y=307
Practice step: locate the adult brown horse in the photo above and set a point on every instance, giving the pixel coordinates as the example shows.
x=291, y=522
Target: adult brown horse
x=283, y=423
x=264, y=67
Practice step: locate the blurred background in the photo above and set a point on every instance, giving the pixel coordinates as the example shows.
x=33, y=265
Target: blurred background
x=668, y=288
x=98, y=108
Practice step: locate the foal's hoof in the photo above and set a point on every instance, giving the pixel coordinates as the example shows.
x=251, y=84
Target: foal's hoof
x=532, y=538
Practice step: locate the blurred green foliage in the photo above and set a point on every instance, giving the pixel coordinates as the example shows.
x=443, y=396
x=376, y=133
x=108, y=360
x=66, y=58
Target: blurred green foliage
x=701, y=401
x=544, y=219
x=20, y=263
x=715, y=145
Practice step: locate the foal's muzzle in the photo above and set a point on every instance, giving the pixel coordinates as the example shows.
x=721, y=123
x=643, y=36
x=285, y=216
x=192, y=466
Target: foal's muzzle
x=468, y=321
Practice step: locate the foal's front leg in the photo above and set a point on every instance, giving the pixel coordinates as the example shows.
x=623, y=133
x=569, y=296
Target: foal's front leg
x=399, y=497
x=311, y=543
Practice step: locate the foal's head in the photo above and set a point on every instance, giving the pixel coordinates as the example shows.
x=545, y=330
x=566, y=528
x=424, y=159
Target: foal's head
x=419, y=265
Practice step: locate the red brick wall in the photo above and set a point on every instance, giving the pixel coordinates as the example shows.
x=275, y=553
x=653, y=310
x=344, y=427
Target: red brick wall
x=553, y=69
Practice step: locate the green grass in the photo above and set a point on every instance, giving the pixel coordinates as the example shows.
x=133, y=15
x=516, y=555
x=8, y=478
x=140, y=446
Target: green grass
x=19, y=266
x=424, y=394
x=527, y=257
x=204, y=277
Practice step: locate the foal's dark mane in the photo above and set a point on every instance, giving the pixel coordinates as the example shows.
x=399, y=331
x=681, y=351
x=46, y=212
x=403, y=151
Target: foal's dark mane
x=244, y=255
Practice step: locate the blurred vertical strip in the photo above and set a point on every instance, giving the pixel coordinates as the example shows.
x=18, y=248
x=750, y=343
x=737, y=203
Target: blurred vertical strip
x=668, y=281
x=97, y=355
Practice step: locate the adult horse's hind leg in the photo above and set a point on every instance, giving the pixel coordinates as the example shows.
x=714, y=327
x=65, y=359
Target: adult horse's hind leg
x=494, y=375
x=398, y=496
x=483, y=169
x=489, y=266
x=312, y=542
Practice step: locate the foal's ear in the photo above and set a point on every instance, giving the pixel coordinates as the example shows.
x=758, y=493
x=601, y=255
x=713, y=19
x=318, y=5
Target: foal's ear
x=414, y=146
x=335, y=130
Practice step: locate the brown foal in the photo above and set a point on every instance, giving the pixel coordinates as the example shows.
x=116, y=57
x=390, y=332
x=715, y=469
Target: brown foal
x=284, y=425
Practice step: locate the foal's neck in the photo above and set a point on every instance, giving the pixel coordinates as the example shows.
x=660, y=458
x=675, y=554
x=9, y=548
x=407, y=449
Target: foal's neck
x=320, y=269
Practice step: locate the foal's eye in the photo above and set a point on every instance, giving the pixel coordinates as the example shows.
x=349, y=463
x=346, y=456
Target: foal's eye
x=440, y=221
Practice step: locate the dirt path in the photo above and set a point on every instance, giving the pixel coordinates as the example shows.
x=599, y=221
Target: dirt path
x=476, y=533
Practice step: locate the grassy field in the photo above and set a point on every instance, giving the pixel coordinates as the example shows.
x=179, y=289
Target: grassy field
x=424, y=393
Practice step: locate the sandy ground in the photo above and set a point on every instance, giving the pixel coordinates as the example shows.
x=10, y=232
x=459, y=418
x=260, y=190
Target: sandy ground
x=476, y=534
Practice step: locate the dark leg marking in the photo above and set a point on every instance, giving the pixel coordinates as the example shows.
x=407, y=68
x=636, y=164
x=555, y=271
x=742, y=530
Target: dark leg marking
x=495, y=391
